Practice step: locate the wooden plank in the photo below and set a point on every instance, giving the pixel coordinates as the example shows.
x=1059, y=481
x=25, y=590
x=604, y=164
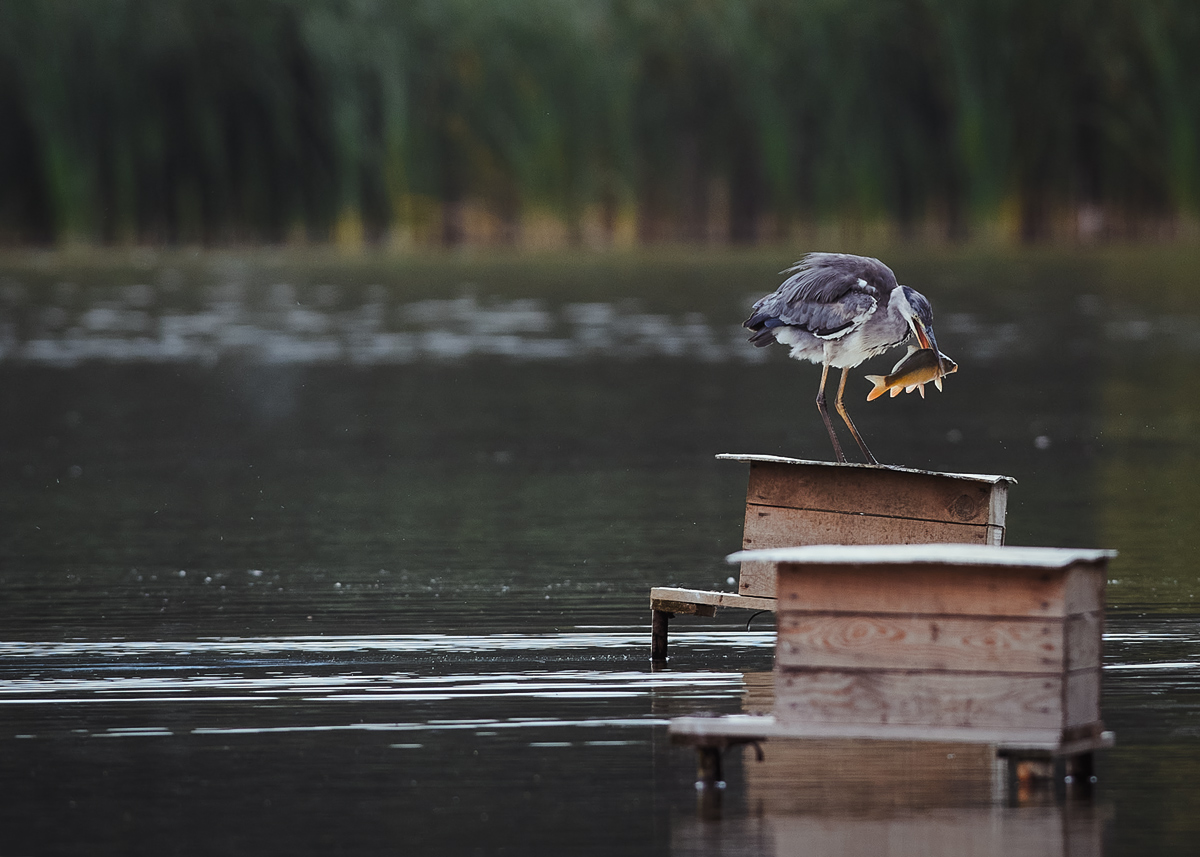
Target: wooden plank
x=999, y=511
x=682, y=608
x=1082, y=698
x=773, y=527
x=772, y=727
x=922, y=589
x=717, y=599
x=926, y=699
x=757, y=579
x=1083, y=641
x=808, y=462
x=776, y=527
x=792, y=502
x=903, y=494
x=1085, y=587
x=889, y=641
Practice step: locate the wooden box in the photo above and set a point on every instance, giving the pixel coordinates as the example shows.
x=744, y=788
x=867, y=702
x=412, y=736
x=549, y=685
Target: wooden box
x=793, y=502
x=939, y=642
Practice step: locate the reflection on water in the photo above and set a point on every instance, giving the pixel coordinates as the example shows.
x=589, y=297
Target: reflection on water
x=376, y=645
x=198, y=672
x=427, y=743
x=280, y=324
x=517, y=725
x=1045, y=831
x=358, y=560
x=280, y=330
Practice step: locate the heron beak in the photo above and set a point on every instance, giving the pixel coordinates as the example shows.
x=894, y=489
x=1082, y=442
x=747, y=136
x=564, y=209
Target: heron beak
x=918, y=327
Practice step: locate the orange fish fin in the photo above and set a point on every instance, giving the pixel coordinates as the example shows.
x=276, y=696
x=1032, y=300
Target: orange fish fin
x=880, y=386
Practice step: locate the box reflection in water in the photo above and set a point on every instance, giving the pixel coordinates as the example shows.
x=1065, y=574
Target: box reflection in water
x=895, y=798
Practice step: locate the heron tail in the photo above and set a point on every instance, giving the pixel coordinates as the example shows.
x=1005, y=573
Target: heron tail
x=880, y=382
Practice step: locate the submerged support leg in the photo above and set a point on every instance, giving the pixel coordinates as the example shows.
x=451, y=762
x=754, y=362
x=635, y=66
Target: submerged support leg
x=837, y=447
x=1083, y=767
x=708, y=766
x=658, y=634
x=709, y=782
x=1080, y=773
x=841, y=409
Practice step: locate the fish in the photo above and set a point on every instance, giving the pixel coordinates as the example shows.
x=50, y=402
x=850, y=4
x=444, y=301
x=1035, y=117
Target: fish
x=916, y=370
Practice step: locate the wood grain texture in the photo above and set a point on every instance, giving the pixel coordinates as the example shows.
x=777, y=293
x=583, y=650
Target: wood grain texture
x=682, y=608
x=774, y=527
x=1082, y=698
x=778, y=527
x=757, y=579
x=922, y=496
x=962, y=700
x=798, y=504
x=717, y=599
x=1084, y=635
x=888, y=641
x=1085, y=588
x=998, y=516
x=945, y=590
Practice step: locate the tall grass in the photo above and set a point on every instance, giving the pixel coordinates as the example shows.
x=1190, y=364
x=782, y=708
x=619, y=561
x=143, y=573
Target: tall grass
x=443, y=121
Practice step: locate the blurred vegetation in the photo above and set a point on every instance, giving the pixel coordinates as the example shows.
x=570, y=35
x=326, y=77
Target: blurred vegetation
x=598, y=121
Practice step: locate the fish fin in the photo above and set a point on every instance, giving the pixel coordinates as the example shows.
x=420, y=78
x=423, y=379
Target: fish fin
x=880, y=383
x=921, y=390
x=937, y=382
x=896, y=391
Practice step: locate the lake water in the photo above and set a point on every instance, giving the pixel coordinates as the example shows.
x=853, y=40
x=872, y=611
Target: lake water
x=303, y=554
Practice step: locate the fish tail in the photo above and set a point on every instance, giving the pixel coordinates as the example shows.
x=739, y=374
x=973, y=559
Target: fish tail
x=880, y=383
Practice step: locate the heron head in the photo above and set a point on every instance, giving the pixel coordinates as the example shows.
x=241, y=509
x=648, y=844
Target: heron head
x=919, y=314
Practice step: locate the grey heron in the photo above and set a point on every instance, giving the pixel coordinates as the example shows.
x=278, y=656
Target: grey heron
x=838, y=310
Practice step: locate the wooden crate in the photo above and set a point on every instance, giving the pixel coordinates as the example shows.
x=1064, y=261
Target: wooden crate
x=940, y=641
x=792, y=502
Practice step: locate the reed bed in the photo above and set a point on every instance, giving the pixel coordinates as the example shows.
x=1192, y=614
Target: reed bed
x=441, y=122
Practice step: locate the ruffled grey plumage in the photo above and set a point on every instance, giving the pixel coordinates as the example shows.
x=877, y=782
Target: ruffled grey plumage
x=839, y=310
x=832, y=298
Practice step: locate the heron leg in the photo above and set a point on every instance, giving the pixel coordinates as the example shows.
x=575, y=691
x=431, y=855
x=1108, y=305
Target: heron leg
x=837, y=447
x=841, y=409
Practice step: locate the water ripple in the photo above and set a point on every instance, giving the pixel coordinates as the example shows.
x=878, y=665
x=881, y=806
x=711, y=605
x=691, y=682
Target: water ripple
x=382, y=643
x=355, y=687
x=371, y=334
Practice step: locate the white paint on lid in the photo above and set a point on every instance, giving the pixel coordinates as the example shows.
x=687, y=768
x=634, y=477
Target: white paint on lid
x=932, y=554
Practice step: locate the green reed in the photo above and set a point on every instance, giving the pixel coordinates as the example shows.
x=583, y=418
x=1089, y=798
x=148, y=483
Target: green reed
x=444, y=121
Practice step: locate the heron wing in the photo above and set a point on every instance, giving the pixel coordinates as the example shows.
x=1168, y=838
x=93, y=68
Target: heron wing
x=827, y=294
